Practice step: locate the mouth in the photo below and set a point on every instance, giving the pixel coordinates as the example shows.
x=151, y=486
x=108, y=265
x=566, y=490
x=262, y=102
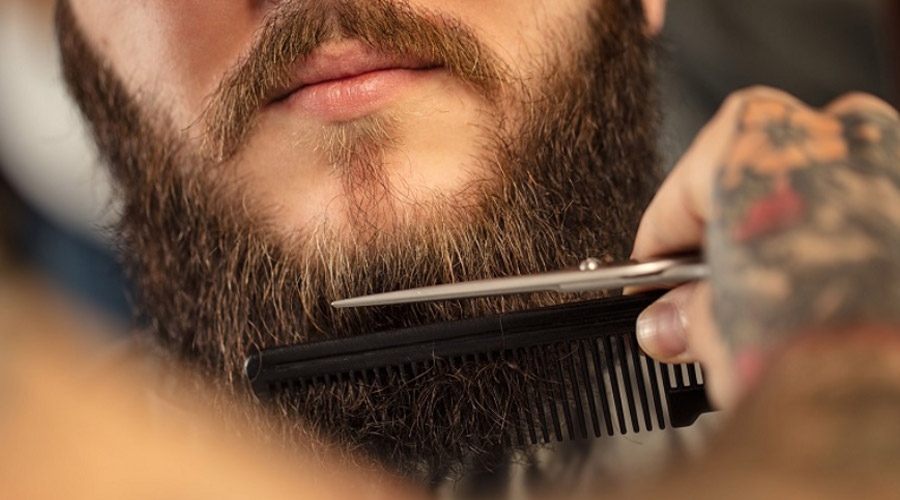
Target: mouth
x=343, y=81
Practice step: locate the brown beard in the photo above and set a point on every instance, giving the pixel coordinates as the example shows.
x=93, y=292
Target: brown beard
x=571, y=182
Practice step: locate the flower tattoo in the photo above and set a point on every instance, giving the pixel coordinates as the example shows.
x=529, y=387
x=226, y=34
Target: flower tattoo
x=805, y=231
x=776, y=138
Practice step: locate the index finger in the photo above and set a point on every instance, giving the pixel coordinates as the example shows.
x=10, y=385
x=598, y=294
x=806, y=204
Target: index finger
x=676, y=219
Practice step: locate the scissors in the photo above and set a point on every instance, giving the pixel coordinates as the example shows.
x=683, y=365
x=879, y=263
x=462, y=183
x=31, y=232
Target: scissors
x=590, y=275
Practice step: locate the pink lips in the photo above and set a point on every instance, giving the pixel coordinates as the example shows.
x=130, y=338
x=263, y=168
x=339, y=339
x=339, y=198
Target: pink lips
x=349, y=80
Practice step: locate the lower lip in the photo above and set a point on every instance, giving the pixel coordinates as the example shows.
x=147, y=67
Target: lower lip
x=352, y=98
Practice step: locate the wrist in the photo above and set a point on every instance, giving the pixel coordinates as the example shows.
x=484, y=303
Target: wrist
x=843, y=356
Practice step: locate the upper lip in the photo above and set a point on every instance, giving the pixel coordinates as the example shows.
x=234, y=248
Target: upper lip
x=341, y=61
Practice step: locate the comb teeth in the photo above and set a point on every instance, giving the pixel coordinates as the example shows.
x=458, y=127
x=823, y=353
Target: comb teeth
x=585, y=389
x=590, y=377
x=600, y=387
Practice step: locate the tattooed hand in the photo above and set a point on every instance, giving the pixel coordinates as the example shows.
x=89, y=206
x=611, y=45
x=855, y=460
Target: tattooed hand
x=799, y=214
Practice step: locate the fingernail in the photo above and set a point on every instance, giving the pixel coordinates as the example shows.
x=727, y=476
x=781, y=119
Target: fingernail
x=661, y=331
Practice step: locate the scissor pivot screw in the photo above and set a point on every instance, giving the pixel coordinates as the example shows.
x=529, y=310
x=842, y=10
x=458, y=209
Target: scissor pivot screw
x=590, y=264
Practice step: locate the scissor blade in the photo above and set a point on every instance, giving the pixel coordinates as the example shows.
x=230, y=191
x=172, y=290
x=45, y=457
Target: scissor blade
x=662, y=271
x=470, y=289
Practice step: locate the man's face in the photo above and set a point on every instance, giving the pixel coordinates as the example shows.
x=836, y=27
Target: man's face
x=275, y=156
x=428, y=123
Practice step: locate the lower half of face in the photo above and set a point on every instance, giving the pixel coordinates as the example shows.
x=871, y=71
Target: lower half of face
x=543, y=165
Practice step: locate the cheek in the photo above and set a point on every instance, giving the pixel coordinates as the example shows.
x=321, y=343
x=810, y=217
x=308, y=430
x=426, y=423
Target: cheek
x=174, y=50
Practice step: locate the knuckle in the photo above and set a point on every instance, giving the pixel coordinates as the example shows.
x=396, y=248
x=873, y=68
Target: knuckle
x=739, y=100
x=741, y=97
x=855, y=99
x=859, y=101
x=758, y=92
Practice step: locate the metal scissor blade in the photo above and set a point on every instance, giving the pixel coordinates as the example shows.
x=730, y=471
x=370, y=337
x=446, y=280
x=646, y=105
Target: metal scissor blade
x=663, y=271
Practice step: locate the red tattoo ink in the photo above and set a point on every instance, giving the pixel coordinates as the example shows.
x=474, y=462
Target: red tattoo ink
x=780, y=210
x=750, y=366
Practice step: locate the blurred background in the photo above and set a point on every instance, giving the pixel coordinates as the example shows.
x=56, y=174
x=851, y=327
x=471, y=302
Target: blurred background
x=56, y=204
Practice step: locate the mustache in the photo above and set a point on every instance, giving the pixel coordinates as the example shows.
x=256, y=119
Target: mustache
x=297, y=28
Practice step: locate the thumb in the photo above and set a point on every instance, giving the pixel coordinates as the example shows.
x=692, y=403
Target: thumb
x=662, y=329
x=679, y=328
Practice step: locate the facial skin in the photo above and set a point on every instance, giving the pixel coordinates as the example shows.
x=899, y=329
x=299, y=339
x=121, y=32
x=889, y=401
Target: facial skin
x=531, y=148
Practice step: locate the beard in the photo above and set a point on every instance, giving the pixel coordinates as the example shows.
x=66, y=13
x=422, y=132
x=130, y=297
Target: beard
x=571, y=180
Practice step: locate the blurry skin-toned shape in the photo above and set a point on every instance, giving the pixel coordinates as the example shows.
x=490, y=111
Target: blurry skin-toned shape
x=822, y=421
x=80, y=421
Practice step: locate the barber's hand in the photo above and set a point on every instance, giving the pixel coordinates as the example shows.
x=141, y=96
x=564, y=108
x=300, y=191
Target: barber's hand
x=798, y=211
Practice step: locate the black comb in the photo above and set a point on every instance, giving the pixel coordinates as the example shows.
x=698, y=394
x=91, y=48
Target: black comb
x=595, y=379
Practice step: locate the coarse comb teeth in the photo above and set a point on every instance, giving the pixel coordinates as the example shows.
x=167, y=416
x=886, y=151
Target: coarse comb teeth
x=590, y=377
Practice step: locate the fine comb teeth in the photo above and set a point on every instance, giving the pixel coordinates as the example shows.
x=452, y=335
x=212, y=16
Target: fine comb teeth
x=593, y=379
